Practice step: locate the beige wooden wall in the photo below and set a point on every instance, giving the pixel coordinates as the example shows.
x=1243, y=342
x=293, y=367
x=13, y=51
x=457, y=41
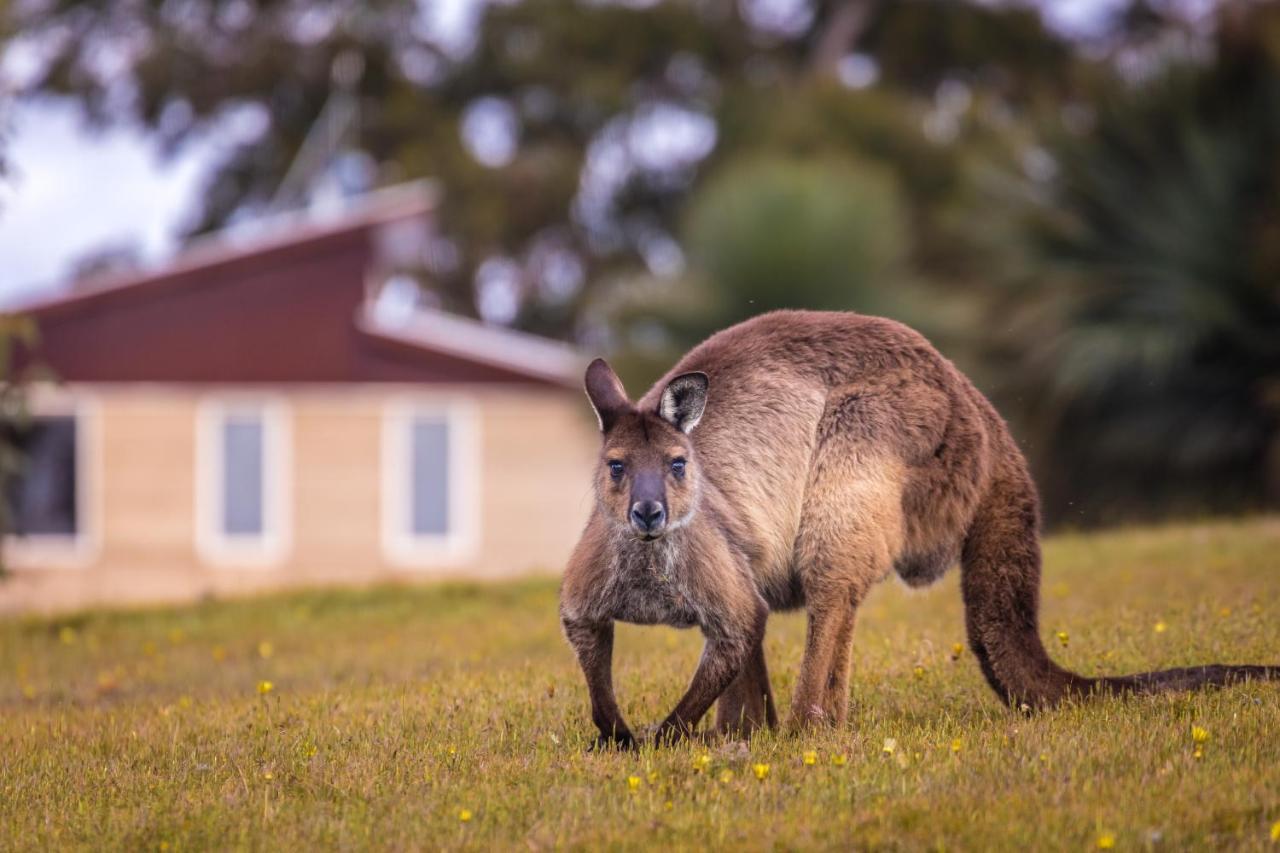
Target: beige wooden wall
x=535, y=452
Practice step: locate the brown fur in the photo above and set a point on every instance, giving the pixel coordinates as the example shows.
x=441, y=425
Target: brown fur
x=833, y=450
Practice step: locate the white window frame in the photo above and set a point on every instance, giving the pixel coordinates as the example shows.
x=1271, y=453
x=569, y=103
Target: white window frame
x=213, y=544
x=400, y=545
x=80, y=549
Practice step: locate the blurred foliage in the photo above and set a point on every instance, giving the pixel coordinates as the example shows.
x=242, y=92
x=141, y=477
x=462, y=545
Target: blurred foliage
x=15, y=331
x=765, y=234
x=1140, y=350
x=1089, y=227
x=580, y=83
x=834, y=233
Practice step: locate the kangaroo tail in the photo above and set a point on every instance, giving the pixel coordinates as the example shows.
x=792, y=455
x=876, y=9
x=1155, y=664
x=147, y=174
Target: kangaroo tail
x=1187, y=678
x=1000, y=581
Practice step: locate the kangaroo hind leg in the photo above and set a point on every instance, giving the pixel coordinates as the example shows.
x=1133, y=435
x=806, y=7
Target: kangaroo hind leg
x=747, y=704
x=851, y=534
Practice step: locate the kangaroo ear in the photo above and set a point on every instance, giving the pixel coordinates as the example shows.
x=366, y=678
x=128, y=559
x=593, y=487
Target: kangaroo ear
x=683, y=401
x=605, y=391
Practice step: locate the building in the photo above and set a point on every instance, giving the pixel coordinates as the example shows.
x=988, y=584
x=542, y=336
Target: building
x=258, y=415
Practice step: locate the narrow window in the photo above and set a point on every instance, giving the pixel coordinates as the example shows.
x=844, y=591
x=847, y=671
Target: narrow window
x=243, y=492
x=429, y=473
x=242, y=477
x=428, y=484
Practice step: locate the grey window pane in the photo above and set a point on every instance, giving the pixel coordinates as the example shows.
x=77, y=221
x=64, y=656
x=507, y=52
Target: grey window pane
x=41, y=493
x=242, y=476
x=430, y=472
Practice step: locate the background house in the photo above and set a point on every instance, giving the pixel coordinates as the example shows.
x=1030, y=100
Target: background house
x=267, y=411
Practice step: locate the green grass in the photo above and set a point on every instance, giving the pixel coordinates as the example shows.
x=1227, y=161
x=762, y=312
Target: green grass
x=394, y=709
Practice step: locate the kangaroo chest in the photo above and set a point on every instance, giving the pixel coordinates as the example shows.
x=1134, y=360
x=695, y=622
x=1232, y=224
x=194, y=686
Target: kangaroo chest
x=646, y=588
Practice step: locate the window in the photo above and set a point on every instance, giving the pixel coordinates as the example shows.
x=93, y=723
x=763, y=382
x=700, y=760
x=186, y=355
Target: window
x=241, y=482
x=47, y=487
x=43, y=490
x=429, y=475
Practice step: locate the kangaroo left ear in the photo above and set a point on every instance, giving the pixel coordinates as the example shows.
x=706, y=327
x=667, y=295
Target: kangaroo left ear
x=683, y=401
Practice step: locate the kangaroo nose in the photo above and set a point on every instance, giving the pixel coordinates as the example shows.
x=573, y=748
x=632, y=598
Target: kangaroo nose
x=648, y=516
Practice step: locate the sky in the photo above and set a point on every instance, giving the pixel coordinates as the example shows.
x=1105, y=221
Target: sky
x=71, y=191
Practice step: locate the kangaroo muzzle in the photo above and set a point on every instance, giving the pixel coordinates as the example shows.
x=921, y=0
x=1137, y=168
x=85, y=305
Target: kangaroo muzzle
x=648, y=518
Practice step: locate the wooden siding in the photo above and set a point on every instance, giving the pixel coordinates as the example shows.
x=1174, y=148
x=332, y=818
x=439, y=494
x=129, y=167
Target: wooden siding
x=536, y=449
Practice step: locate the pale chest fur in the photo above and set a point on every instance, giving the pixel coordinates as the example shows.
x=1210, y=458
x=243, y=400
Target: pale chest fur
x=646, y=585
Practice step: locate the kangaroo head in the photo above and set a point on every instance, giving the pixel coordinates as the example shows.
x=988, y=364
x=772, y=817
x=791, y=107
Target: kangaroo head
x=647, y=482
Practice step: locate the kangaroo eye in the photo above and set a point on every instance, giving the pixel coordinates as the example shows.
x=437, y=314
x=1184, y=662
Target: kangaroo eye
x=615, y=470
x=677, y=467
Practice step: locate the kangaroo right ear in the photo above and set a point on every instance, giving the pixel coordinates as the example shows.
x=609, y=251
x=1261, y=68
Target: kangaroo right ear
x=683, y=401
x=605, y=391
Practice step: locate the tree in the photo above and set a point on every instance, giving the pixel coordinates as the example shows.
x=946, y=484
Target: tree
x=567, y=135
x=15, y=332
x=1143, y=319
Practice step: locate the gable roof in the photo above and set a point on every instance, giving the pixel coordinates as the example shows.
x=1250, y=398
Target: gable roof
x=285, y=300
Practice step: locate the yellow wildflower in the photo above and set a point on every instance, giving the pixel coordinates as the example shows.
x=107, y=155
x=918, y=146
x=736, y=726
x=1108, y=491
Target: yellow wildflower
x=1224, y=612
x=28, y=691
x=653, y=777
x=702, y=762
x=918, y=671
x=1199, y=735
x=265, y=649
x=956, y=745
x=668, y=805
x=761, y=771
x=810, y=758
x=633, y=783
x=726, y=776
x=957, y=650
x=464, y=815
x=890, y=746
x=1106, y=841
x=1161, y=627
x=1063, y=638
x=839, y=760
x=1275, y=832
x=265, y=687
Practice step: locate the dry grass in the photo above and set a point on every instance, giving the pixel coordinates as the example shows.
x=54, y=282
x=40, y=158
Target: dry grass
x=391, y=711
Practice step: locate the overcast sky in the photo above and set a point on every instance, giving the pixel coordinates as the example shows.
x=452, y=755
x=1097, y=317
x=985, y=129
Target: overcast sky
x=70, y=191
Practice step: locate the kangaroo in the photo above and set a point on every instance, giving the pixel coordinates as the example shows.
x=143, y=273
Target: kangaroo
x=795, y=460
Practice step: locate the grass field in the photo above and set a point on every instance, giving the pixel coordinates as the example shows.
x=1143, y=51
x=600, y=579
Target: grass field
x=454, y=716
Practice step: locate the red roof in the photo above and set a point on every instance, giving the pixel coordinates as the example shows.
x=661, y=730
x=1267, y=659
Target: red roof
x=285, y=302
